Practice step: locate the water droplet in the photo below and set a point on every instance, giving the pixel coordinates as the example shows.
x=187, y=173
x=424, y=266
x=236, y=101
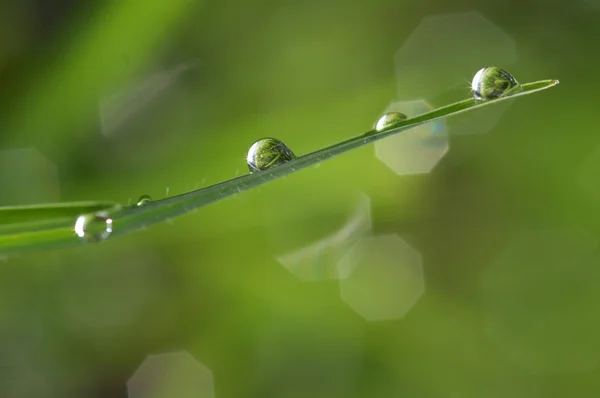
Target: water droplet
x=144, y=200
x=266, y=153
x=492, y=82
x=93, y=227
x=388, y=120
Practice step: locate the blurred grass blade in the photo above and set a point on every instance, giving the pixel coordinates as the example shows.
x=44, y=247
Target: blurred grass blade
x=27, y=228
x=120, y=40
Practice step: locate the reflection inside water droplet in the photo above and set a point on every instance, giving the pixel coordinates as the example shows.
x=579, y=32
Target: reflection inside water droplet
x=266, y=153
x=388, y=120
x=492, y=82
x=93, y=227
x=143, y=200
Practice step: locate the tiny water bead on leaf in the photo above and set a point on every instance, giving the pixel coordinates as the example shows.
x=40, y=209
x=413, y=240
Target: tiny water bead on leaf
x=93, y=227
x=492, y=82
x=266, y=153
x=144, y=200
x=388, y=120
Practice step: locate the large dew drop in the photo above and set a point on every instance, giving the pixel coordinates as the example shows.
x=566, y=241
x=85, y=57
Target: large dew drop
x=492, y=82
x=144, y=200
x=266, y=153
x=388, y=120
x=93, y=227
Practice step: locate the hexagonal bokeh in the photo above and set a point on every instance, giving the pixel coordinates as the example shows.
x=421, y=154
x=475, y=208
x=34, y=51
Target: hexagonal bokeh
x=176, y=374
x=27, y=177
x=118, y=109
x=417, y=150
x=318, y=260
x=541, y=297
x=383, y=277
x=441, y=56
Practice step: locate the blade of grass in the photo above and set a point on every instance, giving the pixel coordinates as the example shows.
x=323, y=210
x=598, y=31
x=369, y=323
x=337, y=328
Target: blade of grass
x=32, y=213
x=32, y=218
x=28, y=228
x=120, y=40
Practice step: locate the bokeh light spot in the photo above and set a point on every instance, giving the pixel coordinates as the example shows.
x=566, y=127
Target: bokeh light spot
x=176, y=374
x=417, y=150
x=383, y=277
x=440, y=57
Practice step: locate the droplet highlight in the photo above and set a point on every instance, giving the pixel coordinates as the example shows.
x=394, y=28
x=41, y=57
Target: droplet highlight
x=93, y=227
x=388, y=120
x=266, y=153
x=492, y=82
x=144, y=200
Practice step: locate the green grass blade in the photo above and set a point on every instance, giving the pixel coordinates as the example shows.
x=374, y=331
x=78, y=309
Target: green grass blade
x=27, y=228
x=117, y=43
x=34, y=213
x=34, y=218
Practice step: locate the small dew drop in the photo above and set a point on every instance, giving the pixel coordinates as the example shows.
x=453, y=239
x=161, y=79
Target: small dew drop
x=144, y=200
x=93, y=227
x=388, y=120
x=266, y=153
x=492, y=82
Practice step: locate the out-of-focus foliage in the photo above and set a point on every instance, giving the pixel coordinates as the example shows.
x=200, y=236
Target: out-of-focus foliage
x=80, y=322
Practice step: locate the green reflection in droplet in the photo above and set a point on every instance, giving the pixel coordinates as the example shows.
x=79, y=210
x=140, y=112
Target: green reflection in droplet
x=266, y=153
x=388, y=120
x=492, y=82
x=143, y=200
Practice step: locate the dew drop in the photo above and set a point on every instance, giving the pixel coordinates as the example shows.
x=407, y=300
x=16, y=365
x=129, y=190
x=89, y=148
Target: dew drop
x=144, y=200
x=388, y=120
x=492, y=82
x=93, y=227
x=266, y=153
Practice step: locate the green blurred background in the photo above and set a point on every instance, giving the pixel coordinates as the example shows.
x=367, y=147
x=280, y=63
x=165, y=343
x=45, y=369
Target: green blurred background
x=483, y=283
